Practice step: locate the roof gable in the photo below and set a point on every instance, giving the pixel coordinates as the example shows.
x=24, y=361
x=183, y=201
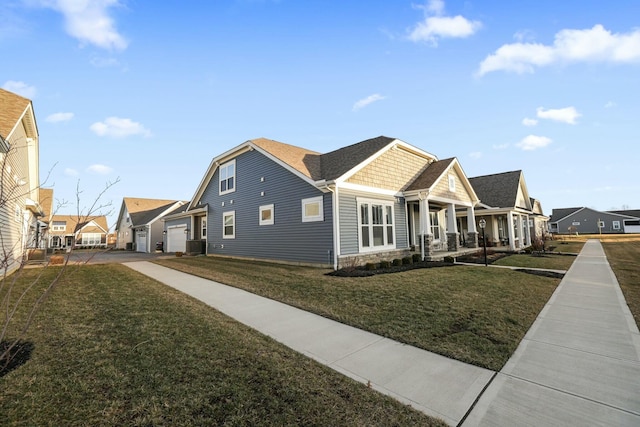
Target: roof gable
x=13, y=109
x=501, y=190
x=142, y=210
x=75, y=224
x=45, y=198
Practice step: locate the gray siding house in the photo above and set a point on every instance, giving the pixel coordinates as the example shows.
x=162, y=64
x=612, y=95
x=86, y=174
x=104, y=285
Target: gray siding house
x=583, y=220
x=379, y=198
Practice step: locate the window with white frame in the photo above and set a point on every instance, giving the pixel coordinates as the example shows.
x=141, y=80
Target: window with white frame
x=452, y=183
x=266, y=215
x=312, y=209
x=229, y=225
x=616, y=225
x=228, y=177
x=377, y=226
x=91, y=239
x=59, y=226
x=203, y=227
x=435, y=225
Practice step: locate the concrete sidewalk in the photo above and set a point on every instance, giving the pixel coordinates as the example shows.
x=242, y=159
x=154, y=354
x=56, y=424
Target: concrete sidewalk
x=579, y=364
x=433, y=384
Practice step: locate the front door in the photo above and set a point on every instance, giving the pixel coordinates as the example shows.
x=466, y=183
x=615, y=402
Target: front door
x=68, y=241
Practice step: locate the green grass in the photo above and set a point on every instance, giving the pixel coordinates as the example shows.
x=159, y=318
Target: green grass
x=113, y=347
x=623, y=257
x=565, y=246
x=547, y=261
x=476, y=315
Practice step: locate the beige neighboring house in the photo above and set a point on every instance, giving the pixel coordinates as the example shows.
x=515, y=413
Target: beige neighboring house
x=46, y=203
x=140, y=227
x=70, y=231
x=513, y=219
x=19, y=204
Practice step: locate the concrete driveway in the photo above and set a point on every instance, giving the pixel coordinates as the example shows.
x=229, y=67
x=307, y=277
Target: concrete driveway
x=101, y=256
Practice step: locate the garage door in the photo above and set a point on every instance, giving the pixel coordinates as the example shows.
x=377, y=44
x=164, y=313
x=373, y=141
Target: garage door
x=176, y=239
x=141, y=241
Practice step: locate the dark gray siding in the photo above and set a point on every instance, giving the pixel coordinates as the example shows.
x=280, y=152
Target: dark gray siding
x=588, y=222
x=349, y=221
x=288, y=239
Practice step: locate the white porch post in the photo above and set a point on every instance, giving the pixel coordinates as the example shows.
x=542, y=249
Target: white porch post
x=512, y=237
x=471, y=220
x=472, y=232
x=425, y=228
x=452, y=229
x=527, y=230
x=521, y=240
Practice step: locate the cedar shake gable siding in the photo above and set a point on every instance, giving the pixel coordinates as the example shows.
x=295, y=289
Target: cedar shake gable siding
x=393, y=170
x=337, y=163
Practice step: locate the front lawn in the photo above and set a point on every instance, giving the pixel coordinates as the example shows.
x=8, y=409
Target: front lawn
x=624, y=256
x=476, y=315
x=112, y=347
x=546, y=261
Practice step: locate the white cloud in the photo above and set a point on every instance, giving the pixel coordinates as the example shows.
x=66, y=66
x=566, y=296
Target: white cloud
x=565, y=115
x=119, y=128
x=21, y=88
x=529, y=122
x=500, y=146
x=99, y=169
x=367, y=101
x=436, y=26
x=100, y=62
x=610, y=104
x=71, y=172
x=475, y=155
x=533, y=142
x=59, y=117
x=89, y=21
x=590, y=45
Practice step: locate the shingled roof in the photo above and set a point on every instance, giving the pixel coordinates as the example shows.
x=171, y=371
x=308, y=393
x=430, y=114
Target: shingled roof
x=430, y=175
x=337, y=163
x=558, y=214
x=75, y=224
x=45, y=197
x=12, y=108
x=304, y=161
x=498, y=190
x=142, y=211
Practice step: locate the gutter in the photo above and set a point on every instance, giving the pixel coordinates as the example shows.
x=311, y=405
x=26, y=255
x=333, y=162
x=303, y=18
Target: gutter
x=336, y=219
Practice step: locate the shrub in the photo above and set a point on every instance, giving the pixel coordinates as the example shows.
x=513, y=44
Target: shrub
x=370, y=266
x=385, y=264
x=449, y=259
x=397, y=262
x=417, y=258
x=407, y=260
x=56, y=260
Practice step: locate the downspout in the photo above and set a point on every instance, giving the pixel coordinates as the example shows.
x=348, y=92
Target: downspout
x=336, y=223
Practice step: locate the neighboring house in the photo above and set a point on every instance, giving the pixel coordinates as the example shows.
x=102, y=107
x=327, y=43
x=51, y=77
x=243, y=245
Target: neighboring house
x=583, y=220
x=46, y=202
x=19, y=179
x=378, y=199
x=70, y=231
x=139, y=227
x=513, y=219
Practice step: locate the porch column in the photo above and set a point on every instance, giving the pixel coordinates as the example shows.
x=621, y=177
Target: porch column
x=512, y=236
x=521, y=240
x=426, y=238
x=472, y=233
x=453, y=243
x=527, y=230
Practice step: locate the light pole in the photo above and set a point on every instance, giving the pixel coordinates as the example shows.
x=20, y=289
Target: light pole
x=482, y=223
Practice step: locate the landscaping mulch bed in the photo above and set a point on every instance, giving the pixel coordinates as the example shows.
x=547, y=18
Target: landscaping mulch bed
x=364, y=272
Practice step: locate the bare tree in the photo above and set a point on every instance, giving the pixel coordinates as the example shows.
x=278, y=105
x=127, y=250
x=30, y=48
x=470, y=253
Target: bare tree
x=19, y=291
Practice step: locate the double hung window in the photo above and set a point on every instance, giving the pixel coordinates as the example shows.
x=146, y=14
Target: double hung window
x=377, y=225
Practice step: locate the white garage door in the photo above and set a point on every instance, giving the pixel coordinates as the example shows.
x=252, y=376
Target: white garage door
x=176, y=239
x=141, y=241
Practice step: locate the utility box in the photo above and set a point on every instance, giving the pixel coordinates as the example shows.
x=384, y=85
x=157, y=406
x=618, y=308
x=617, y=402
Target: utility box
x=195, y=247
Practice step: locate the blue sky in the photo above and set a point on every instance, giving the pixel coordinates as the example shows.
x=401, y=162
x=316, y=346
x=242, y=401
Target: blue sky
x=149, y=92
